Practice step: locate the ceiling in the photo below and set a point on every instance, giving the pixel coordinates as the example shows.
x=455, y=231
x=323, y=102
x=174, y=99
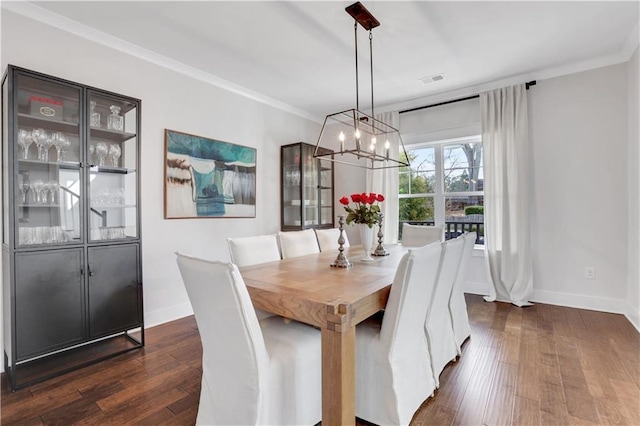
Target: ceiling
x=300, y=54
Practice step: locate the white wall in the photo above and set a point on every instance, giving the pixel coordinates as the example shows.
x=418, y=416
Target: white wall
x=169, y=100
x=578, y=126
x=581, y=191
x=633, y=280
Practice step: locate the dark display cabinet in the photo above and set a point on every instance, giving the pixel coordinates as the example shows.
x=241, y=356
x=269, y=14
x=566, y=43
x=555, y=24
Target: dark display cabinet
x=71, y=259
x=306, y=188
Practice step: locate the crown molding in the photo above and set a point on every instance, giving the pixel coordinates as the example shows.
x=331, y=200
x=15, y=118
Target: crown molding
x=60, y=22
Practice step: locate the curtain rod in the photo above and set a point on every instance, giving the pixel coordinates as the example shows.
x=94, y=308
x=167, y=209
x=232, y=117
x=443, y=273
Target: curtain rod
x=527, y=85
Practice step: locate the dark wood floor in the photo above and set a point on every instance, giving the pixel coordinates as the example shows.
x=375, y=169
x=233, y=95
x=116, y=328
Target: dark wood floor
x=539, y=365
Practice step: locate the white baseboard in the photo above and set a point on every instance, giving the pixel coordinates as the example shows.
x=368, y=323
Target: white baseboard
x=161, y=316
x=633, y=316
x=602, y=304
x=572, y=300
x=476, y=287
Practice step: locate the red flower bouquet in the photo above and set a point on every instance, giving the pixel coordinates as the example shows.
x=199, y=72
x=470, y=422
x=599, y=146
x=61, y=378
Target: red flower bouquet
x=366, y=209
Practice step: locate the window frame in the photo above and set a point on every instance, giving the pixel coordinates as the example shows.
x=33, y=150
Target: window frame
x=440, y=195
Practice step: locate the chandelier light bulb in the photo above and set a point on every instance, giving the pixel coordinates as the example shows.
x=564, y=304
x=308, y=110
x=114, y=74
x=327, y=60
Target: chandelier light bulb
x=373, y=140
x=341, y=137
x=387, y=145
x=357, y=133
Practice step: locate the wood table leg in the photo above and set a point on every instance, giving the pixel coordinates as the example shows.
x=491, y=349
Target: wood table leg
x=338, y=377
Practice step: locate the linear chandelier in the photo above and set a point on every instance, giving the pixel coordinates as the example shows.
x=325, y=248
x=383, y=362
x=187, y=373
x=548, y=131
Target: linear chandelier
x=353, y=137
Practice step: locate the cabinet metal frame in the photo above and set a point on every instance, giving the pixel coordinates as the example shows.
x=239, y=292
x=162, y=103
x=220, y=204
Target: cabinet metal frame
x=11, y=248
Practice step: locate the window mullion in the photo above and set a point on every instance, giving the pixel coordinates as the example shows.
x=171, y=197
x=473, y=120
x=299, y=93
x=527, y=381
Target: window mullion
x=439, y=197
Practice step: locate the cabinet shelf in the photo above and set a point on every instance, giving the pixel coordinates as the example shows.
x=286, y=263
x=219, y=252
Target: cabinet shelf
x=70, y=165
x=30, y=205
x=108, y=169
x=28, y=120
x=110, y=135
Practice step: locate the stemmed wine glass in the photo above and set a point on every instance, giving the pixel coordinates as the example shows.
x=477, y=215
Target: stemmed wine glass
x=101, y=151
x=114, y=153
x=61, y=142
x=25, y=141
x=65, y=143
x=52, y=186
x=46, y=145
x=24, y=187
x=38, y=136
x=37, y=186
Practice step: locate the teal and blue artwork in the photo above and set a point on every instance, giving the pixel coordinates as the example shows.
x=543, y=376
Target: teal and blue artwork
x=207, y=178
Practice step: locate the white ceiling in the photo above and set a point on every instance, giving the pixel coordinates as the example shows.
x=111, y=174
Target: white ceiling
x=300, y=54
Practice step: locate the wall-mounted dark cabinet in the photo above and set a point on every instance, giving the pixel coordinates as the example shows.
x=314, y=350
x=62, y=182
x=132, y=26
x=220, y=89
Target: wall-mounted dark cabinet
x=306, y=188
x=72, y=274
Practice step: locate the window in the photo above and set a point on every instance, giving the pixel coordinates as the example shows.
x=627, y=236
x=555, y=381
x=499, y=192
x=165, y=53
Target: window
x=444, y=185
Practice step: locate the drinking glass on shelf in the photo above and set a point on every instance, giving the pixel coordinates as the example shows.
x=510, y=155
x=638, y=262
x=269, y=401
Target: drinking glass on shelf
x=65, y=143
x=52, y=186
x=56, y=140
x=24, y=187
x=39, y=136
x=25, y=141
x=47, y=142
x=91, y=149
x=101, y=151
x=37, y=185
x=114, y=153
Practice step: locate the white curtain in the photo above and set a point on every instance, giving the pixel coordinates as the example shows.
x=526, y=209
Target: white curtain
x=385, y=182
x=506, y=178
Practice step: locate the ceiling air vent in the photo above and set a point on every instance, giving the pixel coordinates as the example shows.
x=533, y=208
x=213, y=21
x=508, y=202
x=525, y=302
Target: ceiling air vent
x=432, y=78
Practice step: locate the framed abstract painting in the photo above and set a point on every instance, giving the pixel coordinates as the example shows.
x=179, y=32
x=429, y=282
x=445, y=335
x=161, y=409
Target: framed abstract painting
x=208, y=178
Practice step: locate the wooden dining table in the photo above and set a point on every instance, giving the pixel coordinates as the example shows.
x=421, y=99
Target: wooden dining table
x=309, y=290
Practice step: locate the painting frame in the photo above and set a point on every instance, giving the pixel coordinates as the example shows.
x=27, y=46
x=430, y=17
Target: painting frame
x=207, y=178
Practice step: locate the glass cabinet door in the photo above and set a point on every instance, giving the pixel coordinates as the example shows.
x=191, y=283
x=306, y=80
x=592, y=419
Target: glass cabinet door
x=325, y=187
x=112, y=158
x=47, y=180
x=291, y=189
x=310, y=187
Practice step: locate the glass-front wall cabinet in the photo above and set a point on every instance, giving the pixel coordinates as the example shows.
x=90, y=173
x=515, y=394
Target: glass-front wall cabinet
x=307, y=189
x=72, y=273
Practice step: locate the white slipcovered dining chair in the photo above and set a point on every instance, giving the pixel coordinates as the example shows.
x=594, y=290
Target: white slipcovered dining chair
x=266, y=372
x=421, y=235
x=298, y=243
x=457, y=302
x=247, y=251
x=328, y=239
x=438, y=326
x=393, y=370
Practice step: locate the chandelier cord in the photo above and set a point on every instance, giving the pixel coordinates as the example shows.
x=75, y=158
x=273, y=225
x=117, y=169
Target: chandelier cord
x=373, y=114
x=355, y=33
